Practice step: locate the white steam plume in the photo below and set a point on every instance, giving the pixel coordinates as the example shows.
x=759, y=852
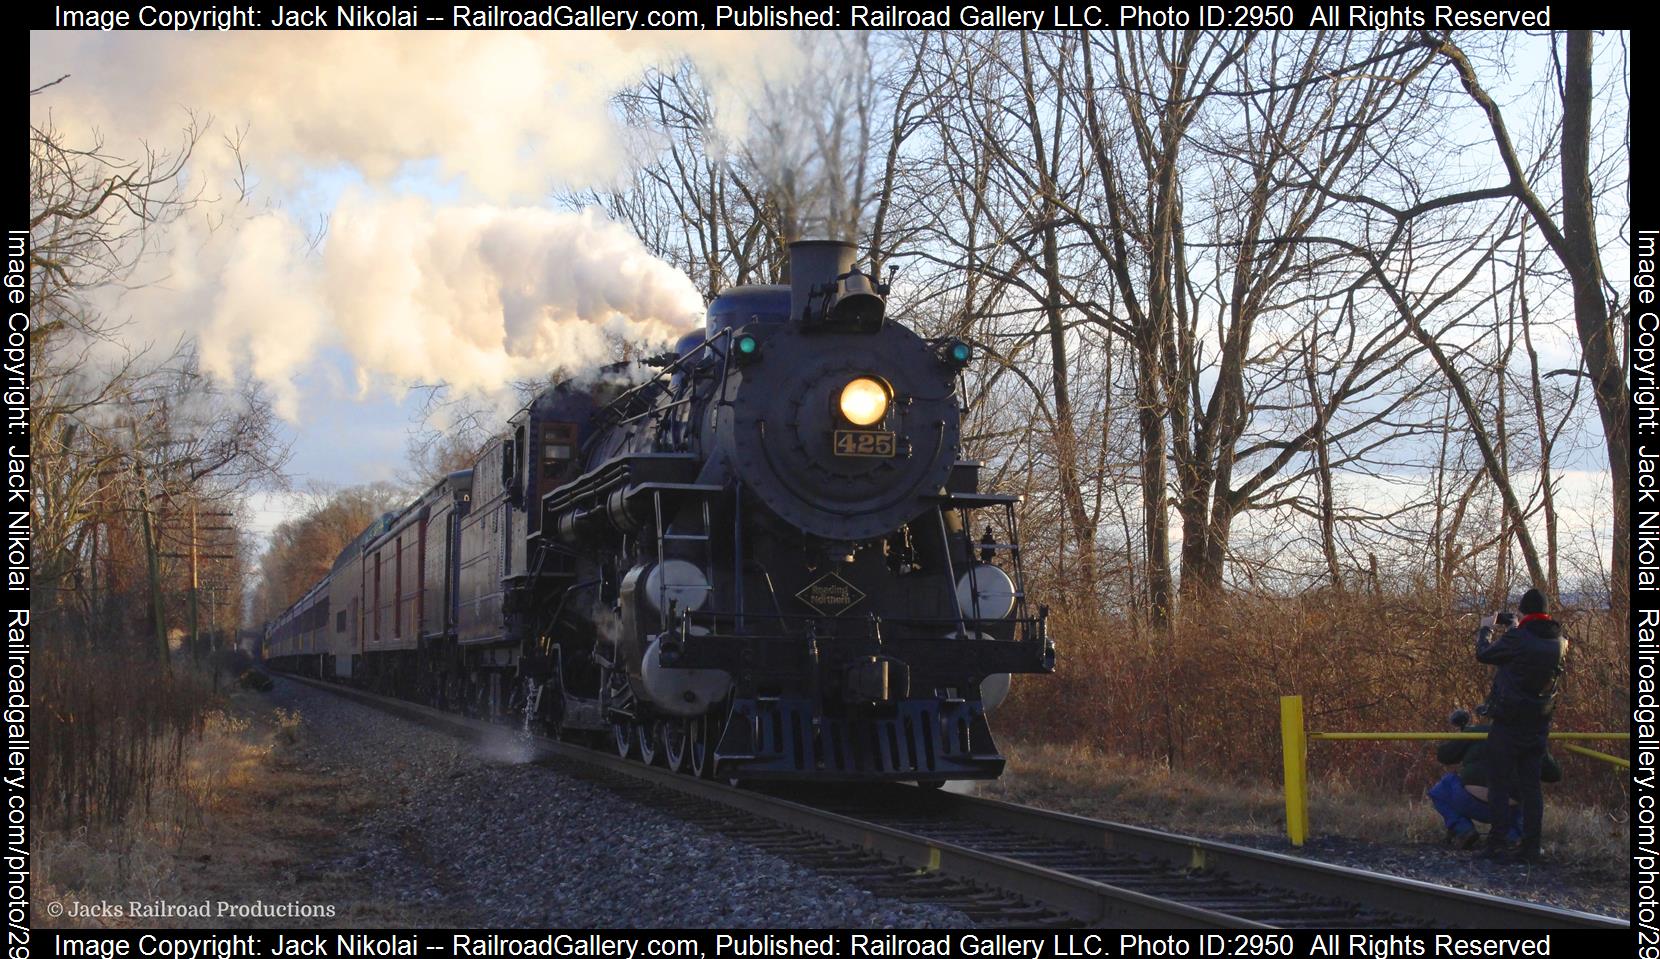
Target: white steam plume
x=369, y=131
x=507, y=112
x=490, y=295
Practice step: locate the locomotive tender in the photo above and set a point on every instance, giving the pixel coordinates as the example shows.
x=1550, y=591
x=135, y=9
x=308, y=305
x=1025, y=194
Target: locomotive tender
x=759, y=564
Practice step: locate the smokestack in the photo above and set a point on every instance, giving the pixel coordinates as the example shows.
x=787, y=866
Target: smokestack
x=815, y=263
x=827, y=293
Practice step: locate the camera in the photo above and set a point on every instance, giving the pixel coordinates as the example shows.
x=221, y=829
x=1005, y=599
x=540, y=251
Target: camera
x=1503, y=619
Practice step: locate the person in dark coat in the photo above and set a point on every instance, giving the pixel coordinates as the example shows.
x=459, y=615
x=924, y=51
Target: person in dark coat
x=1461, y=797
x=1529, y=658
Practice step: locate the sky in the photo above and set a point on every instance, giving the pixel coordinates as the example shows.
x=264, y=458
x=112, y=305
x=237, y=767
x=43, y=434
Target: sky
x=372, y=211
x=397, y=227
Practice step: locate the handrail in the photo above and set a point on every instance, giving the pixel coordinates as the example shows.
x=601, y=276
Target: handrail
x=1294, y=737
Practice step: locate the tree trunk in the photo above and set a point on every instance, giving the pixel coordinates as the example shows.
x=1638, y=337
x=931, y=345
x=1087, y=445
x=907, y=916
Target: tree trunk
x=1066, y=435
x=1575, y=244
x=1546, y=444
x=158, y=609
x=1193, y=486
x=1322, y=462
x=1596, y=333
x=1154, y=517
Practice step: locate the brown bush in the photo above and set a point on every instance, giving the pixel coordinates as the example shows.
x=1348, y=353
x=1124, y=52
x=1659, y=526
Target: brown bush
x=1206, y=698
x=111, y=728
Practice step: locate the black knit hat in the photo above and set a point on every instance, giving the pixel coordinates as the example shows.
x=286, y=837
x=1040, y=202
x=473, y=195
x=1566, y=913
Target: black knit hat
x=1532, y=602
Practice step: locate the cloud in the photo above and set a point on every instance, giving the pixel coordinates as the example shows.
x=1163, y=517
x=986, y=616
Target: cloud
x=509, y=112
x=490, y=287
x=479, y=296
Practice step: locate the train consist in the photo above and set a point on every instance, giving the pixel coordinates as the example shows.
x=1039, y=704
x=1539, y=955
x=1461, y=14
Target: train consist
x=759, y=564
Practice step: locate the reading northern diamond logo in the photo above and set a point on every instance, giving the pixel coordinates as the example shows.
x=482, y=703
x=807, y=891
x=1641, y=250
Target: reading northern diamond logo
x=830, y=595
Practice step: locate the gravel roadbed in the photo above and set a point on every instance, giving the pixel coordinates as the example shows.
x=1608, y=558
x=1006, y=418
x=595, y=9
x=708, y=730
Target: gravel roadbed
x=1603, y=889
x=1565, y=886
x=481, y=835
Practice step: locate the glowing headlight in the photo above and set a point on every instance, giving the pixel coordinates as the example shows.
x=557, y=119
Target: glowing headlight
x=864, y=401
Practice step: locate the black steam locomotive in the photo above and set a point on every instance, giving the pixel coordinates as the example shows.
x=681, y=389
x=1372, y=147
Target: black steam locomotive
x=759, y=564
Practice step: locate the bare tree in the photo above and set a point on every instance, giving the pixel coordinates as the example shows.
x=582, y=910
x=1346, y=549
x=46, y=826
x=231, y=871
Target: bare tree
x=122, y=431
x=1572, y=236
x=302, y=549
x=1222, y=279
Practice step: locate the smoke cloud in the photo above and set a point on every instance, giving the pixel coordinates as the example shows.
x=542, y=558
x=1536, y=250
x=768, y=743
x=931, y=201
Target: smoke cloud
x=429, y=156
x=507, y=113
x=489, y=295
x=807, y=137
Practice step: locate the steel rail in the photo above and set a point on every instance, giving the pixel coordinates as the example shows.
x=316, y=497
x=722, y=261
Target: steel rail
x=1090, y=901
x=1435, y=905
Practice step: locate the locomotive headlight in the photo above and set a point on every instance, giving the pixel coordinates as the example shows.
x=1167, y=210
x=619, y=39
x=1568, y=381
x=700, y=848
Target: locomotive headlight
x=864, y=401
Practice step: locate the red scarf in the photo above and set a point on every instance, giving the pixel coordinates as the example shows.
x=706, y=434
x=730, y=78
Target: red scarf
x=1530, y=617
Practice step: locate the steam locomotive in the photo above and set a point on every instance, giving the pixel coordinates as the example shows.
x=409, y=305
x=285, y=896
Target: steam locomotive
x=759, y=564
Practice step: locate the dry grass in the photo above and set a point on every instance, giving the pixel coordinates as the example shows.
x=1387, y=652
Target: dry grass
x=229, y=757
x=154, y=787
x=112, y=729
x=134, y=860
x=248, y=818
x=1204, y=698
x=1181, y=729
x=1089, y=782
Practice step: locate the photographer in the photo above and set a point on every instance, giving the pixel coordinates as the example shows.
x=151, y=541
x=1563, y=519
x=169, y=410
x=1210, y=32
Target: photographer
x=1529, y=656
x=1461, y=797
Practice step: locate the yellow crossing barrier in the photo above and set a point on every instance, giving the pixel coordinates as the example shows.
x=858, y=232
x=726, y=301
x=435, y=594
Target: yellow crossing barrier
x=1294, y=738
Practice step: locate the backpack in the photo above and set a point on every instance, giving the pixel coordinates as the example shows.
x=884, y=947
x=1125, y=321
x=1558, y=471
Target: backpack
x=1540, y=703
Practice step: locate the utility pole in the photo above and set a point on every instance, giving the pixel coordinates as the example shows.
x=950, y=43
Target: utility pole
x=195, y=587
x=159, y=609
x=92, y=573
x=195, y=555
x=213, y=658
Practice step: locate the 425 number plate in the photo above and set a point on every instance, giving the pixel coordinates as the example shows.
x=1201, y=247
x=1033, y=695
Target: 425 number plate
x=864, y=443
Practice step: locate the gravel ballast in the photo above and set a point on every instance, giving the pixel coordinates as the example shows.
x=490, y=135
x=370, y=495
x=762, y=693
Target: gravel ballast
x=1549, y=883
x=480, y=834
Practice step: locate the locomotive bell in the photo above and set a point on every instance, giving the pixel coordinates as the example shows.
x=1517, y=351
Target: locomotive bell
x=827, y=291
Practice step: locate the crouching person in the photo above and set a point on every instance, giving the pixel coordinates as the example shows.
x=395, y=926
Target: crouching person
x=1461, y=797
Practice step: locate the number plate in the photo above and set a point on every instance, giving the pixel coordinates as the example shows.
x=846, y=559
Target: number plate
x=864, y=443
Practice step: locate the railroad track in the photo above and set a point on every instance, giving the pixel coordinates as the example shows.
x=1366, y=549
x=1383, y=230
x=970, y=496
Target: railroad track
x=1003, y=864
x=1249, y=886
